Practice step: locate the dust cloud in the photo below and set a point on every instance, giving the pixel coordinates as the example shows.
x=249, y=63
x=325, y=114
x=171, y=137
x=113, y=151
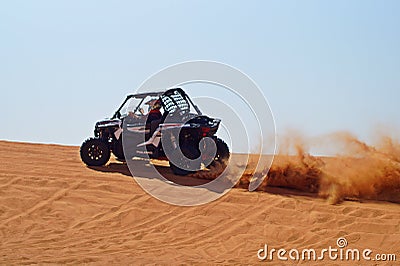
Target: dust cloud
x=358, y=171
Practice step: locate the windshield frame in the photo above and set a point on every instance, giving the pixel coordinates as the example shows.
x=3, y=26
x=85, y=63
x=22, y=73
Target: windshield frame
x=141, y=96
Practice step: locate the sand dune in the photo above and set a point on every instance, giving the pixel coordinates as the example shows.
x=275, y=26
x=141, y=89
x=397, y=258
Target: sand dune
x=54, y=209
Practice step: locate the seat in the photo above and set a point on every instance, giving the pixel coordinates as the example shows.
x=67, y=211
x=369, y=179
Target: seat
x=154, y=125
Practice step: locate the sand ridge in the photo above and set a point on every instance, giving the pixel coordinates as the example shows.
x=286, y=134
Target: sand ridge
x=54, y=209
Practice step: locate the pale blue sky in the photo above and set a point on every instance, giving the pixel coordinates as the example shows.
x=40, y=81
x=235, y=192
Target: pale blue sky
x=323, y=65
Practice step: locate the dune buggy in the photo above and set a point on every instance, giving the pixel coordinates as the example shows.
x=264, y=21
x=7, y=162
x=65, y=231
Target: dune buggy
x=181, y=126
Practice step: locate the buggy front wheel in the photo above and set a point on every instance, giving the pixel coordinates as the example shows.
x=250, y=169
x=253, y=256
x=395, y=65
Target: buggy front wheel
x=95, y=152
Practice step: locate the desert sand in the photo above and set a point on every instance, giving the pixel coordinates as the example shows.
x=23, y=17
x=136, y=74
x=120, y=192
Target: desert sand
x=54, y=209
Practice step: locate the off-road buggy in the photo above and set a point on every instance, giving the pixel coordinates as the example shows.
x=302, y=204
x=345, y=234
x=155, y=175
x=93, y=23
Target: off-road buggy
x=182, y=126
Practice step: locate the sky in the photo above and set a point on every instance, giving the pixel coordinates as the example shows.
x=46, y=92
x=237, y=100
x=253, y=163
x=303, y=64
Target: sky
x=324, y=66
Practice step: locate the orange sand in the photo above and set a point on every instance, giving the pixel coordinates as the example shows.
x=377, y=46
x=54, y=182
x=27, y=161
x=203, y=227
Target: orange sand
x=54, y=209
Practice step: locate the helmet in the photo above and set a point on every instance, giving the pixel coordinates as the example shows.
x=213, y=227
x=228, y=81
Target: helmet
x=156, y=105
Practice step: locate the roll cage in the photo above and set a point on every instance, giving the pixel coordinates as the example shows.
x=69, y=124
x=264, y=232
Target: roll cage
x=171, y=100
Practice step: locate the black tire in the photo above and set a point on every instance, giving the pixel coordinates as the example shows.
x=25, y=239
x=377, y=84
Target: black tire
x=118, y=150
x=222, y=155
x=191, y=153
x=178, y=171
x=95, y=152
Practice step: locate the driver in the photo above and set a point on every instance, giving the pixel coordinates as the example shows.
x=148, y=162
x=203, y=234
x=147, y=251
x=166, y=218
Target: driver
x=155, y=113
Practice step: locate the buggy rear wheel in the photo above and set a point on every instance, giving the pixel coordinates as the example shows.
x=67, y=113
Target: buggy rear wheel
x=95, y=152
x=222, y=155
x=190, y=167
